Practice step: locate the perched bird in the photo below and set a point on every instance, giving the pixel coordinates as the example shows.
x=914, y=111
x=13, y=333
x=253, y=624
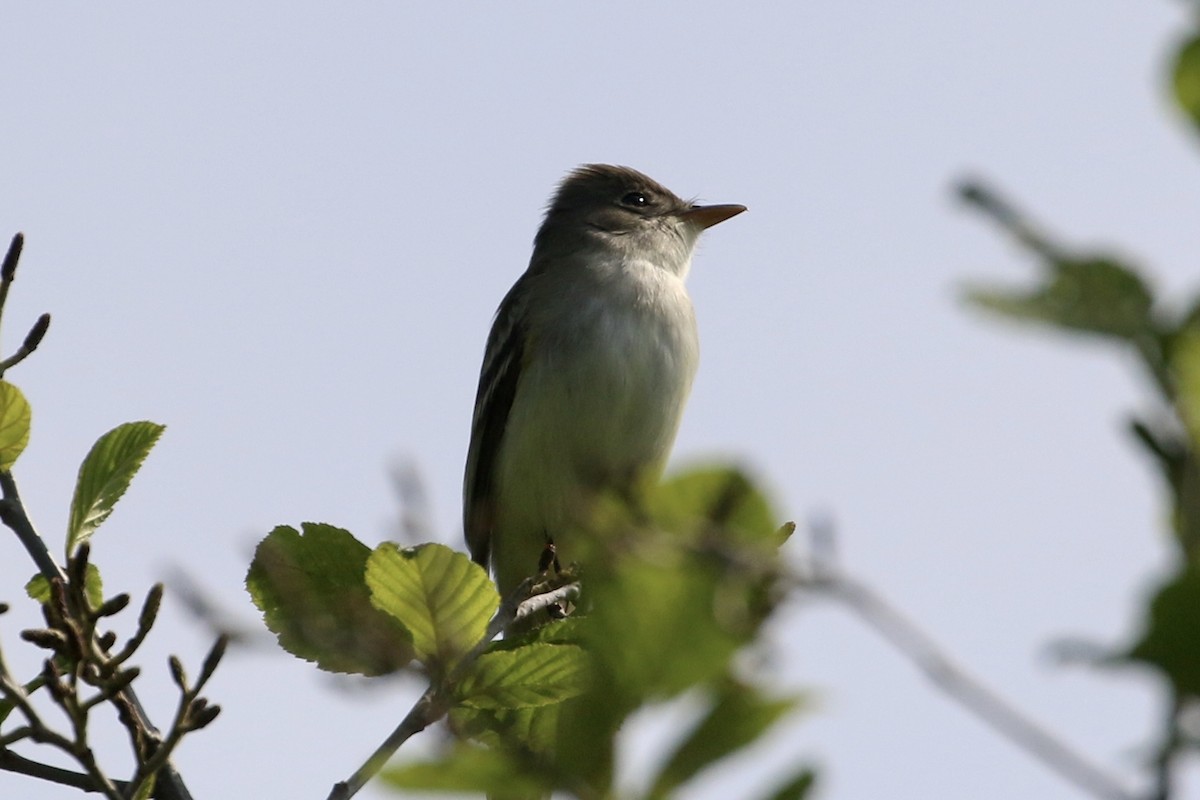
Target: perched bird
x=588, y=365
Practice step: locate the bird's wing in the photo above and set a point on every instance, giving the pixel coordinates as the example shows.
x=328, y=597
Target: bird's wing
x=498, y=381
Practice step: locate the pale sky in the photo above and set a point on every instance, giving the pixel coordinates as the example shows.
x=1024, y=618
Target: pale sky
x=281, y=229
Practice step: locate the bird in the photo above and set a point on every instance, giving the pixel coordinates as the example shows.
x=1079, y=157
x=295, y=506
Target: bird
x=588, y=365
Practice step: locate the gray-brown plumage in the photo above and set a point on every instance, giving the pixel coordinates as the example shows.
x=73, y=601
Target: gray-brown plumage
x=588, y=365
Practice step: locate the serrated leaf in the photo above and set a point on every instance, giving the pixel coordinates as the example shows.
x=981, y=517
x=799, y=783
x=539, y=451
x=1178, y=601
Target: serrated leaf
x=105, y=474
x=1095, y=295
x=15, y=417
x=534, y=729
x=564, y=631
x=1185, y=79
x=529, y=676
x=1170, y=641
x=739, y=715
x=38, y=588
x=440, y=595
x=312, y=590
x=467, y=769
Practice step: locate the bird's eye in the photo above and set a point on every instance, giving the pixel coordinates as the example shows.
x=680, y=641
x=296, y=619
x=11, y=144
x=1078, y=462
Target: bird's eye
x=636, y=200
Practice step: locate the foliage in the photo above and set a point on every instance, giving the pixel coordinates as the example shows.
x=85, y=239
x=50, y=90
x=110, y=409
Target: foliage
x=310, y=588
x=15, y=419
x=674, y=588
x=105, y=475
x=84, y=670
x=1101, y=295
x=672, y=591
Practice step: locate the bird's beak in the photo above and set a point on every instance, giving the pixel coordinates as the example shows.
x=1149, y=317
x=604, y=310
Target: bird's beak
x=707, y=216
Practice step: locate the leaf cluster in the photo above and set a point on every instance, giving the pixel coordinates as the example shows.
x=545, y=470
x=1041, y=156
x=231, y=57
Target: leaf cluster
x=83, y=669
x=1103, y=296
x=669, y=591
x=1099, y=295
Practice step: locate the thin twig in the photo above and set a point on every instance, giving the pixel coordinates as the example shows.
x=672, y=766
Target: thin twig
x=428, y=710
x=32, y=340
x=540, y=602
x=434, y=703
x=9, y=267
x=191, y=714
x=12, y=762
x=415, y=524
x=170, y=785
x=219, y=621
x=968, y=690
x=37, y=731
x=12, y=514
x=1170, y=750
x=986, y=199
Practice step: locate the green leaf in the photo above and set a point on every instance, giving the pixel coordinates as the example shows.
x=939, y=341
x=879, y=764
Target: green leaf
x=655, y=630
x=739, y=716
x=38, y=587
x=441, y=596
x=657, y=626
x=1170, y=641
x=105, y=475
x=1176, y=458
x=1185, y=78
x=715, y=497
x=1185, y=364
x=15, y=416
x=467, y=768
x=313, y=594
x=1093, y=295
x=1191, y=319
x=564, y=631
x=674, y=584
x=533, y=729
x=797, y=788
x=533, y=675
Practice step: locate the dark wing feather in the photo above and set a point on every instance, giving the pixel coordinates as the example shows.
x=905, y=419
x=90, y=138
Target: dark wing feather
x=498, y=381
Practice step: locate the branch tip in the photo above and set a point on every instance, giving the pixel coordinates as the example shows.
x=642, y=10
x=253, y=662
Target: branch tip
x=213, y=658
x=177, y=673
x=150, y=607
x=12, y=257
x=203, y=717
x=113, y=605
x=974, y=192
x=37, y=333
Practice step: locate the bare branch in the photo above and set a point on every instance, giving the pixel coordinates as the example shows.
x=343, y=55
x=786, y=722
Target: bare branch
x=428, y=710
x=827, y=579
x=145, y=735
x=11, y=762
x=32, y=340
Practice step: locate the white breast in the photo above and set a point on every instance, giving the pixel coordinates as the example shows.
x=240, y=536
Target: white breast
x=599, y=402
